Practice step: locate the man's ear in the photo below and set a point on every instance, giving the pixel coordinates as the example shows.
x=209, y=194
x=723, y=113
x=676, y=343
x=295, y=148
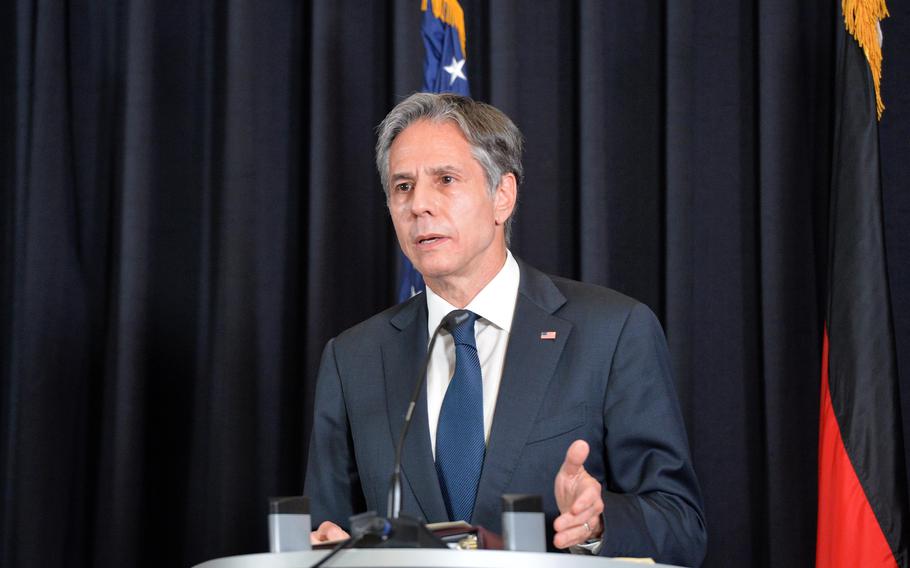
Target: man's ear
x=504, y=199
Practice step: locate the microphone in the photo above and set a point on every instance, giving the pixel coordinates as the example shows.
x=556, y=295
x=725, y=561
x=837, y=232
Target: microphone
x=452, y=319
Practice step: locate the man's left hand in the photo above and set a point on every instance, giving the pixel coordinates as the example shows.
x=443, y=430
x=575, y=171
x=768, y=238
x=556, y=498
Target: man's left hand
x=579, y=498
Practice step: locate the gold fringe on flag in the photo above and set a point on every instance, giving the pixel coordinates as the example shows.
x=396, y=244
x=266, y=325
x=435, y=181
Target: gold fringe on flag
x=862, y=19
x=450, y=12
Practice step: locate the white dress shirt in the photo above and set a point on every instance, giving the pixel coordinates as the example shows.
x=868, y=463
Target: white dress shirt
x=495, y=304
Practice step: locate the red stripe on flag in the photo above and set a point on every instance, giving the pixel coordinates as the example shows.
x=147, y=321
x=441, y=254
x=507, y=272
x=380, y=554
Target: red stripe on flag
x=848, y=532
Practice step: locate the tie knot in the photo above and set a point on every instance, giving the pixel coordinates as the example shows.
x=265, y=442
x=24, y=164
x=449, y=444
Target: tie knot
x=460, y=324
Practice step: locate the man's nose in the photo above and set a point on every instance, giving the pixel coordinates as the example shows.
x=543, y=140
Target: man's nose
x=423, y=199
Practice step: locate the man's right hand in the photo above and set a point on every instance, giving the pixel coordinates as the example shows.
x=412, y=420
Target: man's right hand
x=328, y=531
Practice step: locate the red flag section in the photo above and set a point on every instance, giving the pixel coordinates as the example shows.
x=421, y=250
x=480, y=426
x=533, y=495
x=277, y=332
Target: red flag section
x=849, y=533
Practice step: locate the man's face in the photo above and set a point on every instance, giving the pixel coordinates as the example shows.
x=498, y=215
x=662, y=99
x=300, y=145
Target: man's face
x=447, y=223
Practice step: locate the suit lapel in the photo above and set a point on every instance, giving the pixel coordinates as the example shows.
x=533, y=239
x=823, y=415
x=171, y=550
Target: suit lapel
x=529, y=366
x=401, y=368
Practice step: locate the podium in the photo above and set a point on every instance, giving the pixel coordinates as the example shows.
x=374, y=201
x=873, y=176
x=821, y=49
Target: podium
x=420, y=558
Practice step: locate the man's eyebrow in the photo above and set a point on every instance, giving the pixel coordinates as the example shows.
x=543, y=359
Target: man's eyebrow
x=433, y=171
x=402, y=175
x=446, y=169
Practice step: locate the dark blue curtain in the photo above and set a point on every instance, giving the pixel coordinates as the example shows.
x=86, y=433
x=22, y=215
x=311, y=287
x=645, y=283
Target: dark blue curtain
x=189, y=210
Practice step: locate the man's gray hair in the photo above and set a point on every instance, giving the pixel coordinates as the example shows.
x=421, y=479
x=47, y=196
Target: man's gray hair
x=495, y=141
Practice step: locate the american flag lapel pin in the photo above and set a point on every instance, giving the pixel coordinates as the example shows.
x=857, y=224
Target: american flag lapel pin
x=550, y=335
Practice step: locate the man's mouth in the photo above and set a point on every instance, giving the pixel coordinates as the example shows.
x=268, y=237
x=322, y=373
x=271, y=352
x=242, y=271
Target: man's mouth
x=427, y=240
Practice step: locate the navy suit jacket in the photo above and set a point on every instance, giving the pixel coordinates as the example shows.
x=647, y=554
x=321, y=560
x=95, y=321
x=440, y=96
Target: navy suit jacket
x=605, y=379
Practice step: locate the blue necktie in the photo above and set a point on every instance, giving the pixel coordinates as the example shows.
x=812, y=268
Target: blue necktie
x=460, y=444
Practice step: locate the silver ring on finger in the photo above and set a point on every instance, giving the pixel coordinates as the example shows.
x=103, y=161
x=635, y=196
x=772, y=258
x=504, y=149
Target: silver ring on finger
x=588, y=527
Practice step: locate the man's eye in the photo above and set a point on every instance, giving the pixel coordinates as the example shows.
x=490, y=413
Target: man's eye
x=403, y=187
x=446, y=180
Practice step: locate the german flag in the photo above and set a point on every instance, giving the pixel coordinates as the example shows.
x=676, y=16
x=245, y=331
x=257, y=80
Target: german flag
x=862, y=493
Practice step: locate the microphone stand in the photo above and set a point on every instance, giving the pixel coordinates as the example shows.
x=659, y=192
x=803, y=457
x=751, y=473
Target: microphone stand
x=397, y=531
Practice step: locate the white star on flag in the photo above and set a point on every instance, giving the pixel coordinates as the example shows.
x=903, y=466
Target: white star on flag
x=455, y=70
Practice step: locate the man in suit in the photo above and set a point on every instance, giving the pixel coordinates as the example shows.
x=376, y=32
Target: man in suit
x=551, y=386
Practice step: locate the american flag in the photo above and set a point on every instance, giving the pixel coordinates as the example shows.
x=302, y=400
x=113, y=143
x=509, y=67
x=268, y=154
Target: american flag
x=548, y=335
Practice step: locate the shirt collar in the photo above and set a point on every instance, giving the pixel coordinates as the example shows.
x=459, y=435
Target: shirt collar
x=494, y=303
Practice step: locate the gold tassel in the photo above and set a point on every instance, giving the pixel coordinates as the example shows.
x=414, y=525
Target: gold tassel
x=862, y=19
x=450, y=12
